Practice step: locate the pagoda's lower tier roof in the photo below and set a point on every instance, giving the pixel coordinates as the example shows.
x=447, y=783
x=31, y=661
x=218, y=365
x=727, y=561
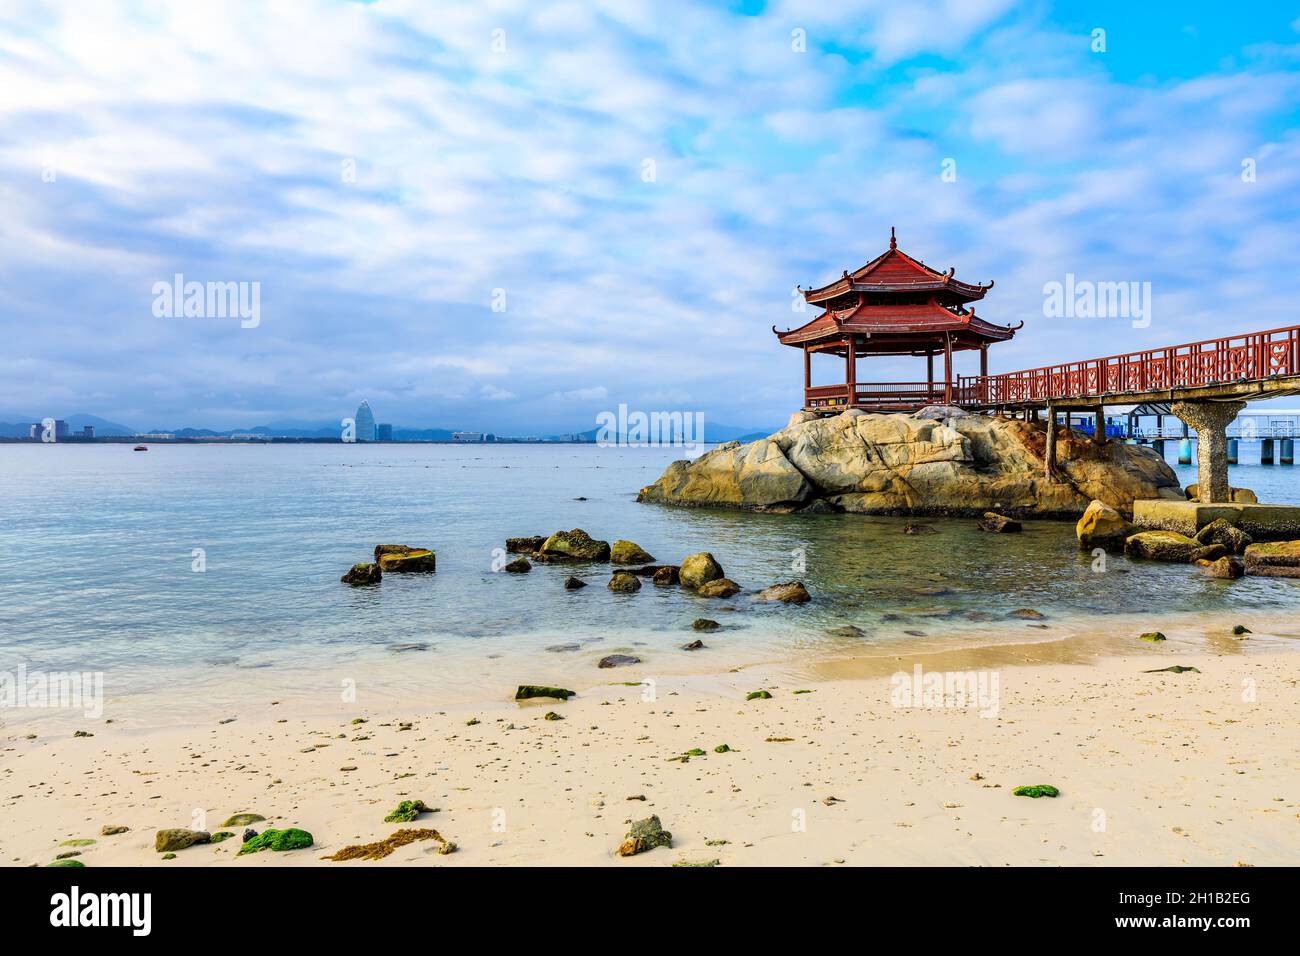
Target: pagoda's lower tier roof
x=911, y=321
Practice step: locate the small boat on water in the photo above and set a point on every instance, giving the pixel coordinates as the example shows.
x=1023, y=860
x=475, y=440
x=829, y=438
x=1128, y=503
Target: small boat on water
x=140, y=448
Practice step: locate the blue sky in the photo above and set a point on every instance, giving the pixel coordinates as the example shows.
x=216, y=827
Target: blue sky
x=501, y=153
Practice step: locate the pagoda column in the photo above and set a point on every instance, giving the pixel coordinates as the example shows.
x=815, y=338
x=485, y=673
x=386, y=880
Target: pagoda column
x=947, y=369
x=807, y=373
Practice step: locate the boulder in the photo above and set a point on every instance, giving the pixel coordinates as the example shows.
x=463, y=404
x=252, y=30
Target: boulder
x=1241, y=496
x=792, y=592
x=718, y=588
x=998, y=524
x=574, y=584
x=1221, y=531
x=1102, y=527
x=628, y=552
x=169, y=841
x=529, y=545
x=1160, y=546
x=695, y=645
x=645, y=835
x=1279, y=559
x=666, y=575
x=575, y=545
x=400, y=558
x=518, y=566
x=363, y=574
x=699, y=569
x=911, y=465
x=1229, y=568
x=529, y=691
x=1208, y=553
x=704, y=624
x=624, y=582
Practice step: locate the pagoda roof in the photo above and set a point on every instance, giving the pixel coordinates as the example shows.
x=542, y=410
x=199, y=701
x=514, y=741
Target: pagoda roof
x=895, y=321
x=895, y=271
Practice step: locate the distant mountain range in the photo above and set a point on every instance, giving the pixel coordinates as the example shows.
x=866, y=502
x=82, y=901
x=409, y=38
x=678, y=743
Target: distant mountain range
x=299, y=429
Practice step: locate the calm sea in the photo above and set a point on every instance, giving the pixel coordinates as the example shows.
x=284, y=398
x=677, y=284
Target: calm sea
x=98, y=556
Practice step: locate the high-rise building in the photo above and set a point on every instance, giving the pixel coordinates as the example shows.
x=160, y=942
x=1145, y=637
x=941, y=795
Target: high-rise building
x=36, y=431
x=61, y=430
x=384, y=432
x=365, y=422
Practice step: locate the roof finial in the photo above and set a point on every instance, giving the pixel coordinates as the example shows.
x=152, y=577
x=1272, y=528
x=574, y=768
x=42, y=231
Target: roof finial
x=893, y=243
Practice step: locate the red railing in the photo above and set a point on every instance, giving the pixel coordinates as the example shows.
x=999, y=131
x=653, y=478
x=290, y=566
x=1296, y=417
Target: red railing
x=1241, y=358
x=884, y=395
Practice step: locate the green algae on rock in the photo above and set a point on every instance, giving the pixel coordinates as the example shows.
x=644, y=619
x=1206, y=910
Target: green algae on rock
x=758, y=695
x=178, y=838
x=629, y=552
x=1153, y=637
x=575, y=545
x=407, y=811
x=403, y=559
x=66, y=863
x=290, y=838
x=529, y=691
x=645, y=835
x=1036, y=791
x=360, y=574
x=699, y=569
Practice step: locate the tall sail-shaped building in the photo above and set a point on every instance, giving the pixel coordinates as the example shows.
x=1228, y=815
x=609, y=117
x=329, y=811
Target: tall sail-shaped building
x=365, y=422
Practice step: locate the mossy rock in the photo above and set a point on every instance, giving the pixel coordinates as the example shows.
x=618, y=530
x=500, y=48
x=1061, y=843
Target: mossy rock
x=722, y=749
x=1152, y=637
x=66, y=863
x=697, y=570
x=758, y=695
x=575, y=545
x=645, y=835
x=791, y=592
x=1036, y=791
x=624, y=582
x=718, y=588
x=529, y=691
x=1160, y=546
x=518, y=566
x=244, y=820
x=407, y=811
x=178, y=838
x=705, y=624
x=629, y=552
x=1175, y=669
x=80, y=841
x=402, y=559
x=552, y=715
x=221, y=836
x=695, y=752
x=363, y=574
x=290, y=838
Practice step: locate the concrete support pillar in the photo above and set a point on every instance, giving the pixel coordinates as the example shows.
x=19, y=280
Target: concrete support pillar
x=1266, y=451
x=1211, y=421
x=1232, y=451
x=1159, y=446
x=1099, y=426
x=1288, y=451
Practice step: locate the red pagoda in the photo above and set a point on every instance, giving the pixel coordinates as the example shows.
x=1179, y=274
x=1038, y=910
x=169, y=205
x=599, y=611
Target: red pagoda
x=894, y=305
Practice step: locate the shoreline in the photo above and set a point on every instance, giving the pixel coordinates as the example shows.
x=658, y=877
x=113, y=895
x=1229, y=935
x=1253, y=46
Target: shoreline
x=1183, y=767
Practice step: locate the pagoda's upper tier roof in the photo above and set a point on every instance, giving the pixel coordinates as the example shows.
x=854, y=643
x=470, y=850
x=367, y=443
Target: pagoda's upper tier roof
x=895, y=271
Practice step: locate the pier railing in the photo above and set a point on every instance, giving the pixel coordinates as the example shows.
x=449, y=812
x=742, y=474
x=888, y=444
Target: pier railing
x=1240, y=358
x=887, y=396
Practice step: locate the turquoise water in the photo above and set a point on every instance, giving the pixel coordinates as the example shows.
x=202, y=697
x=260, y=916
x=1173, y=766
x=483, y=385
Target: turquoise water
x=96, y=555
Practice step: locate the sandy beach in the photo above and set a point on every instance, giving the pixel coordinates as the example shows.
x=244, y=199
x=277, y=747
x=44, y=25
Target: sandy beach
x=1165, y=768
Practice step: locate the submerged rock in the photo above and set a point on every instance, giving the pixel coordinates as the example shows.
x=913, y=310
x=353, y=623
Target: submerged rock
x=528, y=545
x=518, y=566
x=363, y=574
x=696, y=645
x=914, y=528
x=792, y=592
x=998, y=524
x=1160, y=546
x=624, y=582
x=575, y=545
x=1229, y=568
x=699, y=569
x=645, y=835
x=718, y=588
x=909, y=464
x=1101, y=526
x=628, y=552
x=401, y=558
x=704, y=624
x=618, y=660
x=574, y=584
x=667, y=574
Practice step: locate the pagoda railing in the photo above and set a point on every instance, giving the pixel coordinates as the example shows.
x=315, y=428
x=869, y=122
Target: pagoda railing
x=882, y=395
x=1240, y=358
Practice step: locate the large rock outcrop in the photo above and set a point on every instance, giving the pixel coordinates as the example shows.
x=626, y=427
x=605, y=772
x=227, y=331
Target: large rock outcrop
x=917, y=464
